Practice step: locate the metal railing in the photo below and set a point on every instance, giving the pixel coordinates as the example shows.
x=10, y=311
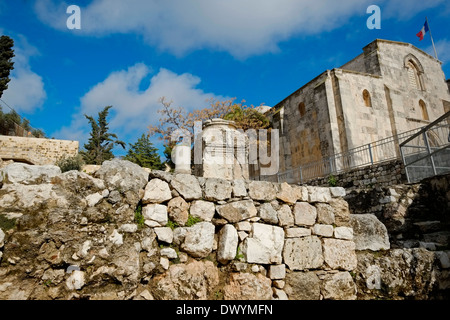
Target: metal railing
x=427, y=153
x=373, y=153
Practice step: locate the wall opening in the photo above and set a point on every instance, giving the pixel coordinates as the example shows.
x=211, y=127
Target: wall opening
x=367, y=99
x=423, y=109
x=302, y=109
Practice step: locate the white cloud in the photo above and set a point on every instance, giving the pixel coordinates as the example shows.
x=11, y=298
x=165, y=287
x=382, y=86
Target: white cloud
x=242, y=28
x=134, y=109
x=25, y=91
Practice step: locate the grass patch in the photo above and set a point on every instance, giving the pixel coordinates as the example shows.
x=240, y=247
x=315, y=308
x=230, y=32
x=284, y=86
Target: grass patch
x=192, y=220
x=138, y=217
x=172, y=224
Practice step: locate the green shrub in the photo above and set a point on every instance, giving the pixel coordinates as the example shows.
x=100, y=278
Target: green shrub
x=67, y=163
x=192, y=220
x=332, y=181
x=138, y=217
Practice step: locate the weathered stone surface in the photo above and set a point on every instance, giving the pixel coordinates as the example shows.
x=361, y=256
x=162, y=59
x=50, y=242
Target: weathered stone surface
x=262, y=190
x=28, y=174
x=304, y=214
x=76, y=280
x=156, y=213
x=337, y=192
x=297, y=232
x=122, y=175
x=277, y=272
x=196, y=280
x=77, y=181
x=203, y=209
x=338, y=286
x=237, y=211
x=164, y=234
x=323, y=230
x=247, y=286
x=301, y=192
x=93, y=199
x=217, y=189
x=239, y=189
x=156, y=191
x=268, y=213
x=302, y=286
x=187, y=186
x=303, y=253
x=17, y=197
x=169, y=253
x=265, y=245
x=287, y=194
x=399, y=273
x=369, y=233
x=344, y=233
x=285, y=216
x=199, y=239
x=325, y=214
x=339, y=254
x=178, y=210
x=341, y=212
x=318, y=194
x=228, y=242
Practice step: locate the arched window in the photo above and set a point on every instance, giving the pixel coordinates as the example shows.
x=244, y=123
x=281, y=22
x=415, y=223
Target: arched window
x=367, y=99
x=423, y=108
x=302, y=109
x=413, y=76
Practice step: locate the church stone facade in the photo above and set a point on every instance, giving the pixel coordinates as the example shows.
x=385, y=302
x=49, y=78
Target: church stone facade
x=390, y=88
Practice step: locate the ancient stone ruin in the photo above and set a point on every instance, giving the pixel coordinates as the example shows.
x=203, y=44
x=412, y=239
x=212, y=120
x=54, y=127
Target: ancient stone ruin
x=125, y=233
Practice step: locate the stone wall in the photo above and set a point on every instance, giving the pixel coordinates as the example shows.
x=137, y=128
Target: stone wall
x=128, y=234
x=382, y=174
x=36, y=150
x=125, y=233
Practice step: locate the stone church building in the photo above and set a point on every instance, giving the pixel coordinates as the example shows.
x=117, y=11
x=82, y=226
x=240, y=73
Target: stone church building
x=390, y=88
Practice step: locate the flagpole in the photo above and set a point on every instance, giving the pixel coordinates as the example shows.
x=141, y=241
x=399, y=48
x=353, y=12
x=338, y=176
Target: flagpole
x=431, y=36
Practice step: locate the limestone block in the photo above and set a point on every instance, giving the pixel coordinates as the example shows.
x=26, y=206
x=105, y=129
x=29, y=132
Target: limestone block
x=164, y=234
x=2, y=238
x=239, y=189
x=236, y=211
x=341, y=212
x=248, y=286
x=178, y=210
x=301, y=192
x=318, y=194
x=285, y=216
x=156, y=213
x=244, y=226
x=203, y=209
x=325, y=214
x=262, y=190
x=277, y=272
x=369, y=233
x=337, y=192
x=265, y=244
x=338, y=286
x=297, y=232
x=339, y=254
x=287, y=194
x=28, y=174
x=268, y=213
x=76, y=280
x=199, y=239
x=302, y=286
x=344, y=233
x=304, y=214
x=228, y=242
x=217, y=189
x=187, y=186
x=156, y=191
x=122, y=175
x=303, y=253
x=324, y=230
x=170, y=253
x=93, y=199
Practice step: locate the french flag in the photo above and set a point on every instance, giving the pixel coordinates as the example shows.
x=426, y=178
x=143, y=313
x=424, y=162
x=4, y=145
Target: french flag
x=424, y=30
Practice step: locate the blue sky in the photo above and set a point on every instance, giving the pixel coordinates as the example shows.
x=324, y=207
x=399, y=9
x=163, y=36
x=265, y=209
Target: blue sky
x=128, y=54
